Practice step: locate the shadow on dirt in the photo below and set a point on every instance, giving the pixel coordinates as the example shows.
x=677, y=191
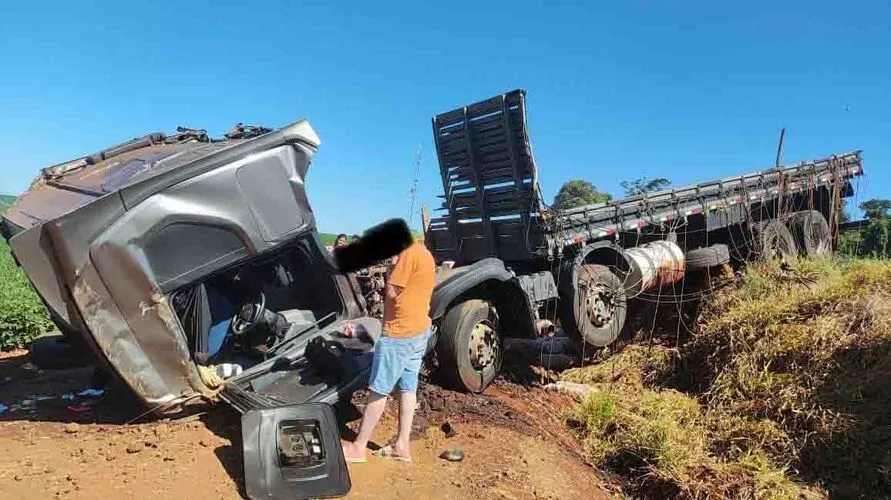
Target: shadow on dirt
x=855, y=459
x=65, y=395
x=226, y=423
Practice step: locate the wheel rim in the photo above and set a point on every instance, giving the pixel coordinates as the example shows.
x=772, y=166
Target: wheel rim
x=484, y=345
x=600, y=304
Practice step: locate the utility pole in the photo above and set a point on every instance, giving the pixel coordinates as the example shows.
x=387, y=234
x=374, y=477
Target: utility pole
x=779, y=160
x=414, y=186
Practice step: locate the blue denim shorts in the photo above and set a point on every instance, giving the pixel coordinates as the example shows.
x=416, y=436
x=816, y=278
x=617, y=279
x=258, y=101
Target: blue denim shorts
x=397, y=361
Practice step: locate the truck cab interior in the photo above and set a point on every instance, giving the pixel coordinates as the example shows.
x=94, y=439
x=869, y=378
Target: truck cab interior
x=264, y=314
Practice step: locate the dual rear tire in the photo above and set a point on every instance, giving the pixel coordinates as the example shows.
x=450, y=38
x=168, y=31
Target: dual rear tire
x=810, y=231
x=804, y=234
x=593, y=309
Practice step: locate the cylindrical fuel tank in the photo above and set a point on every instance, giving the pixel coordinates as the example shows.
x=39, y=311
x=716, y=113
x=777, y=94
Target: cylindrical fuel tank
x=654, y=265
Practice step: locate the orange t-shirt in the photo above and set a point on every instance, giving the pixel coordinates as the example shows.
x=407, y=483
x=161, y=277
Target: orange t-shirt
x=409, y=313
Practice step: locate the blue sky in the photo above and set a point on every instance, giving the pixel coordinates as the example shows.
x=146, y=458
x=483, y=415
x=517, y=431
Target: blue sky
x=688, y=91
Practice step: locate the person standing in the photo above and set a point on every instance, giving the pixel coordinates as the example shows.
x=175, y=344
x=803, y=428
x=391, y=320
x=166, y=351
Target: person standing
x=340, y=241
x=399, y=351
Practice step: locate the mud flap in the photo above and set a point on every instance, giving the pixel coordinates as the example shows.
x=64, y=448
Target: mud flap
x=293, y=452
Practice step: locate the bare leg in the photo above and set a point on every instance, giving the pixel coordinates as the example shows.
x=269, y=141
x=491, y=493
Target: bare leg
x=407, y=403
x=373, y=410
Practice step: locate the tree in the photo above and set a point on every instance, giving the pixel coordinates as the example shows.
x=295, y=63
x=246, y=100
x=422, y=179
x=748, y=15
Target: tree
x=876, y=208
x=876, y=233
x=578, y=192
x=873, y=240
x=642, y=185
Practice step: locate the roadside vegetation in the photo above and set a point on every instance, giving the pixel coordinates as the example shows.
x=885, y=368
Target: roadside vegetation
x=5, y=201
x=778, y=386
x=873, y=239
x=22, y=315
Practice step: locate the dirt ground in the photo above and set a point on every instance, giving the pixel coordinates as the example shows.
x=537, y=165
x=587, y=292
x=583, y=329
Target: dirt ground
x=57, y=444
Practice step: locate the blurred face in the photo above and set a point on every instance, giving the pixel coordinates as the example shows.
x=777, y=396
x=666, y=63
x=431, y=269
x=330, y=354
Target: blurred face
x=340, y=241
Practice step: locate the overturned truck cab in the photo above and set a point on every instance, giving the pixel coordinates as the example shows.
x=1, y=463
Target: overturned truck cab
x=167, y=258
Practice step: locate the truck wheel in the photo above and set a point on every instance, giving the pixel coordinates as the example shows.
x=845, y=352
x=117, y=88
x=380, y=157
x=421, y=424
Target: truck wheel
x=469, y=347
x=704, y=258
x=811, y=232
x=776, y=241
x=595, y=308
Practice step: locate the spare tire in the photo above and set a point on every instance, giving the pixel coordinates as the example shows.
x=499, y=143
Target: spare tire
x=53, y=351
x=811, y=232
x=707, y=257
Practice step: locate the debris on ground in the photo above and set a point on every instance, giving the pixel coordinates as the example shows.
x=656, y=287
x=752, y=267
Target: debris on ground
x=576, y=390
x=456, y=455
x=447, y=430
x=557, y=352
x=93, y=393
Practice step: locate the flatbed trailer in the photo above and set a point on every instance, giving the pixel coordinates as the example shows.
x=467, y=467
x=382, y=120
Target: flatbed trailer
x=518, y=256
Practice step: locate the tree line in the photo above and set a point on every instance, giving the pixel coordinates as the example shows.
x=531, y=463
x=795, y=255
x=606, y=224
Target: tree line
x=871, y=237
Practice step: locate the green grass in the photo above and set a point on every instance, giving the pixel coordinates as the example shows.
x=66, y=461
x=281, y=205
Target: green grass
x=22, y=315
x=782, y=390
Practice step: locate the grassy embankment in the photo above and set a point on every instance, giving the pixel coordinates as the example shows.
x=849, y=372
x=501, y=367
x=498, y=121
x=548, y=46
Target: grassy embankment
x=781, y=388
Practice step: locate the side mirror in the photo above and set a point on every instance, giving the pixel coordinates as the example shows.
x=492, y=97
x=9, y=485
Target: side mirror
x=378, y=243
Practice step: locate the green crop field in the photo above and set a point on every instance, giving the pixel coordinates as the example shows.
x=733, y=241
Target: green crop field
x=5, y=201
x=22, y=315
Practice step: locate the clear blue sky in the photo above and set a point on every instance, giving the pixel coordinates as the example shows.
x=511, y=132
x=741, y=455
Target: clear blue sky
x=687, y=91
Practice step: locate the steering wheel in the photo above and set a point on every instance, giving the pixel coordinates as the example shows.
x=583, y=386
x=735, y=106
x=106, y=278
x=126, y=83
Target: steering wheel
x=249, y=315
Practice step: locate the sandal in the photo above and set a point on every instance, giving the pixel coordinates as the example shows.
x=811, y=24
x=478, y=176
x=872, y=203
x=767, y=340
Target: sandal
x=350, y=460
x=389, y=452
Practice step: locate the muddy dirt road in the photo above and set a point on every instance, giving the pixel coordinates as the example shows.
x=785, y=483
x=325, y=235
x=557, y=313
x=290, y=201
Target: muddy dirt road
x=56, y=444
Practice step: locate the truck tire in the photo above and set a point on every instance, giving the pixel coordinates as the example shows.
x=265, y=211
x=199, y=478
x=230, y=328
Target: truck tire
x=469, y=347
x=54, y=351
x=811, y=232
x=707, y=257
x=776, y=241
x=596, y=318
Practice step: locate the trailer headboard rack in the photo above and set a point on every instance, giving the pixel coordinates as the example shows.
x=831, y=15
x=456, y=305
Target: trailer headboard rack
x=489, y=178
